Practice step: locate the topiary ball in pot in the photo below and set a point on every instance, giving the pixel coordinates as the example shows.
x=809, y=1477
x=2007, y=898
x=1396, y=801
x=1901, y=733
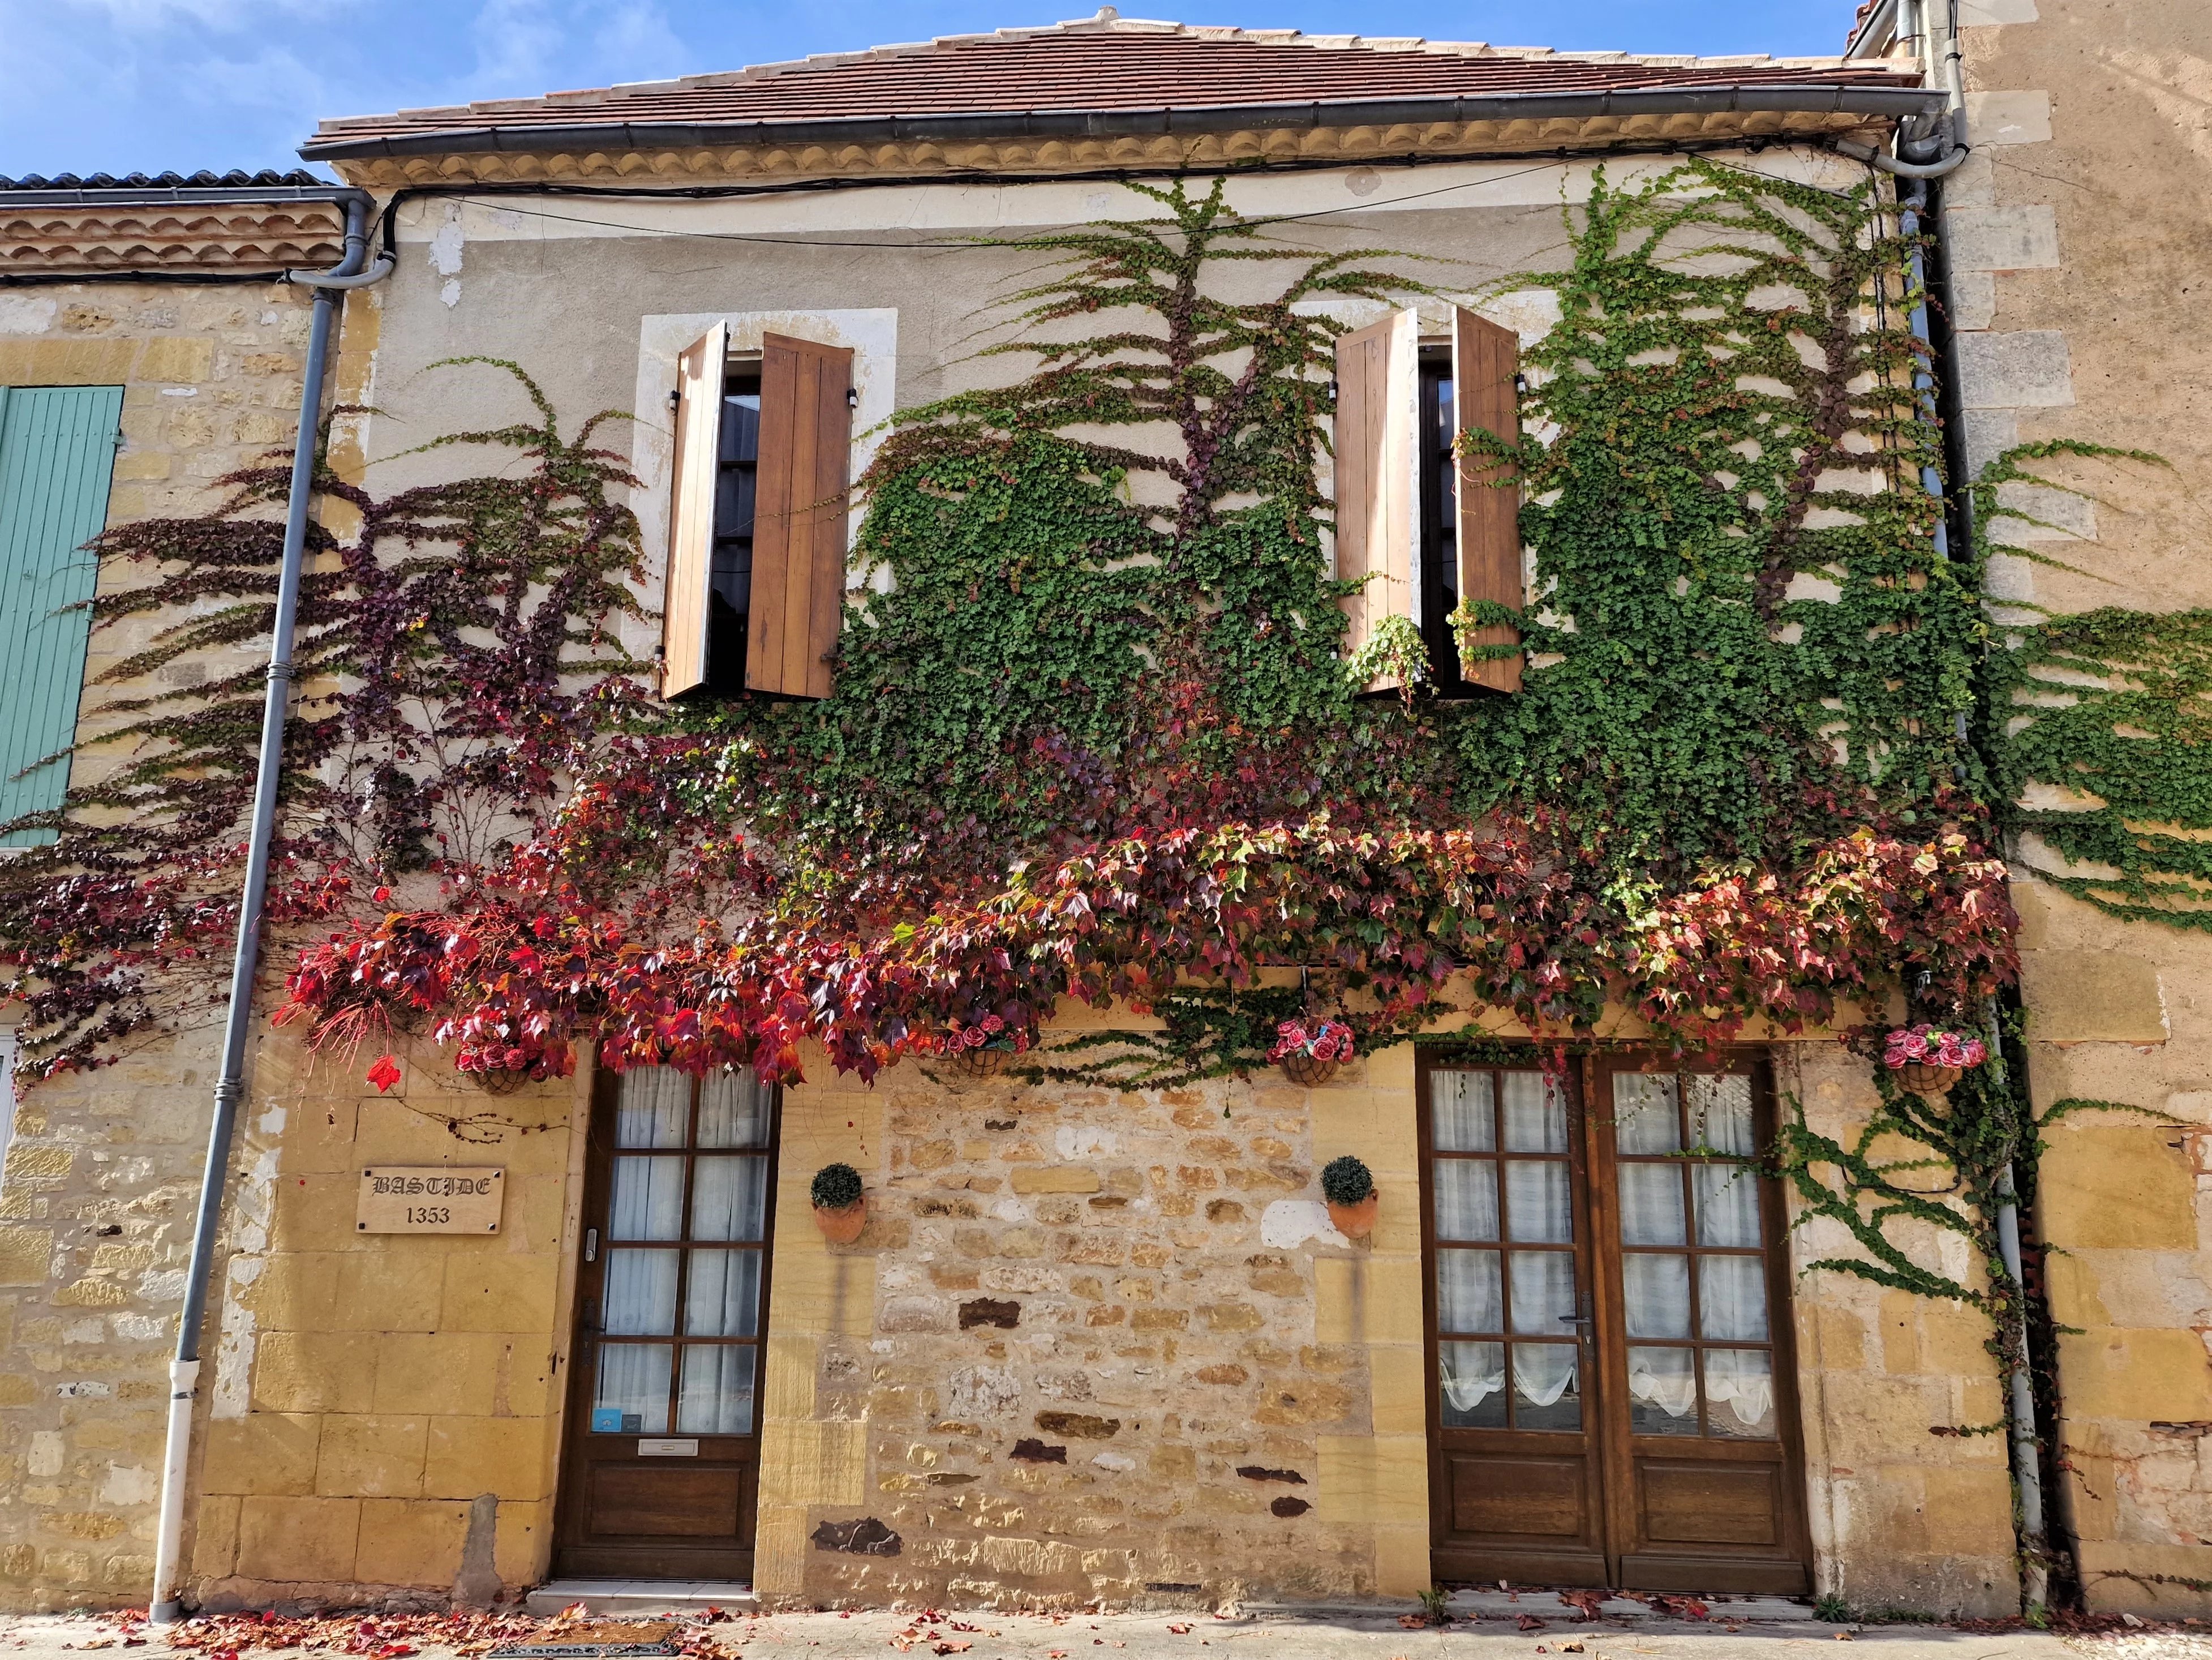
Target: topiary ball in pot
x=841, y=1203
x=1347, y=1187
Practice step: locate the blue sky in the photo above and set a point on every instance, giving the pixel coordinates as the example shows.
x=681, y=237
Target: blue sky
x=126, y=85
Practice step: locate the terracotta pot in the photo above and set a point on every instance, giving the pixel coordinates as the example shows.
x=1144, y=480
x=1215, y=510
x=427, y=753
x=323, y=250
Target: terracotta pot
x=1355, y=1221
x=842, y=1227
x=1923, y=1078
x=980, y=1062
x=499, y=1081
x=1306, y=1070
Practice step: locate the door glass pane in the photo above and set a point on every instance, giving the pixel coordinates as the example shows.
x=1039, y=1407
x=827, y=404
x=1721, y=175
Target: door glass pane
x=1545, y=1395
x=640, y=1300
x=731, y=1202
x=1740, y=1393
x=1732, y=1298
x=655, y=1103
x=1467, y=1292
x=733, y=1109
x=1662, y=1392
x=1644, y=1113
x=1460, y=1111
x=1651, y=1205
x=633, y=1384
x=648, y=1199
x=1535, y=1113
x=1544, y=1292
x=1539, y=1204
x=718, y=1389
x=723, y=1299
x=1471, y=1380
x=1720, y=1113
x=1656, y=1290
x=1728, y=1204
x=1467, y=1199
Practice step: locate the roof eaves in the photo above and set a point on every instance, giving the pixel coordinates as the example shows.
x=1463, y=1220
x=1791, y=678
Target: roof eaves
x=1787, y=98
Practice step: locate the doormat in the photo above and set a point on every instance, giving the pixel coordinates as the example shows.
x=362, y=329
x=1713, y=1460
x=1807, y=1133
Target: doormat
x=596, y=1639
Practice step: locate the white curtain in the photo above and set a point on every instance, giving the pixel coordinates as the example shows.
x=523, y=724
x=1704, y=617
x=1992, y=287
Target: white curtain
x=1469, y=1295
x=1720, y=1113
x=1469, y=1373
x=648, y=1198
x=1644, y=1116
x=1665, y=1378
x=1538, y=1205
x=639, y=1297
x=1461, y=1118
x=1542, y=1372
x=1544, y=1292
x=1732, y=1299
x=717, y=1397
x=1728, y=1204
x=1656, y=1293
x=723, y=1299
x=733, y=1109
x=653, y=1108
x=731, y=1200
x=1651, y=1205
x=1467, y=1199
x=1740, y=1391
x=1535, y=1113
x=634, y=1379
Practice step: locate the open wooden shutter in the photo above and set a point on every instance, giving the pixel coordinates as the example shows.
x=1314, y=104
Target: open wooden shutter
x=1377, y=475
x=798, y=517
x=1485, y=360
x=699, y=371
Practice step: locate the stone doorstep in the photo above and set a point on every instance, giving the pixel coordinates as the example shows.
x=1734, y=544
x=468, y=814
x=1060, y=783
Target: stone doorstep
x=1547, y=1605
x=640, y=1596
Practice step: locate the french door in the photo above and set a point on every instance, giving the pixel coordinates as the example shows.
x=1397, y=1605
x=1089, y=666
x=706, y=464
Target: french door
x=659, y=1473
x=1610, y=1378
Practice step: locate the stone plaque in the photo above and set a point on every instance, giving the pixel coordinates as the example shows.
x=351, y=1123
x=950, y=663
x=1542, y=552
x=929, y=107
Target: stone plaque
x=428, y=1199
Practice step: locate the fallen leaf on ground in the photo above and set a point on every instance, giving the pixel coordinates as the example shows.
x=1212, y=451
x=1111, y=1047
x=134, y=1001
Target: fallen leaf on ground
x=1179, y=1630
x=1529, y=1622
x=1413, y=1621
x=950, y=1645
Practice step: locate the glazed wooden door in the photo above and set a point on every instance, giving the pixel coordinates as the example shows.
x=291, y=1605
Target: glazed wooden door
x=1515, y=1484
x=1610, y=1379
x=1705, y=1487
x=659, y=1473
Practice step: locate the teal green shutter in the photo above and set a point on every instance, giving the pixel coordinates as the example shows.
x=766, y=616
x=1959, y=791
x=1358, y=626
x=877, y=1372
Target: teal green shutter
x=57, y=452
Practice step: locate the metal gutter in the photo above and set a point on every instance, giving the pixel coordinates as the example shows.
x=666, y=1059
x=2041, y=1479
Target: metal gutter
x=1890, y=103
x=1872, y=38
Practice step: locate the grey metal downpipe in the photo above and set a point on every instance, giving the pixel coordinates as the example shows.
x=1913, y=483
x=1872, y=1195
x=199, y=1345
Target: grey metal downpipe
x=352, y=271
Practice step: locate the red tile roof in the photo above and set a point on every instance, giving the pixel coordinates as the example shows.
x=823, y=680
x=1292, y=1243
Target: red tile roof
x=1102, y=65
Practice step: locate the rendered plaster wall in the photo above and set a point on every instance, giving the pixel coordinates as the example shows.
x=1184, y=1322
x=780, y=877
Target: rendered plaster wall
x=95, y=1205
x=2082, y=229
x=1094, y=1345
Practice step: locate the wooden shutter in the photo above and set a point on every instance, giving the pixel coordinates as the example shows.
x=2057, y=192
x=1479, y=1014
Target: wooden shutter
x=57, y=453
x=1377, y=475
x=1485, y=360
x=699, y=371
x=798, y=519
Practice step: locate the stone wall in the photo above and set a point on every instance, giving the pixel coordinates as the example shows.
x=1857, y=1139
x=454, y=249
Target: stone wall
x=2081, y=233
x=95, y=1207
x=1096, y=1345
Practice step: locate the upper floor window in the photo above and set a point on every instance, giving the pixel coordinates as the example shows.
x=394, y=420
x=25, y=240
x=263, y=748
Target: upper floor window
x=757, y=525
x=1424, y=527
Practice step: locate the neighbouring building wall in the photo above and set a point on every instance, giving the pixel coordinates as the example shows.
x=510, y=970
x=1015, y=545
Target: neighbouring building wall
x=2082, y=234
x=95, y=1208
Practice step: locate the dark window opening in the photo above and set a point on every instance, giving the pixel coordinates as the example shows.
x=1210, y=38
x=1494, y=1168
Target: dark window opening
x=731, y=583
x=1438, y=576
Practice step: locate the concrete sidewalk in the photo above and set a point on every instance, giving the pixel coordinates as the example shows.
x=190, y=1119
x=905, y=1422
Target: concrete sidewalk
x=983, y=1636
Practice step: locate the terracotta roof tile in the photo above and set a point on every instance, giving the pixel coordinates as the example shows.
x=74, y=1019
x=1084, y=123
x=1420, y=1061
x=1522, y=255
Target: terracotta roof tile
x=1103, y=64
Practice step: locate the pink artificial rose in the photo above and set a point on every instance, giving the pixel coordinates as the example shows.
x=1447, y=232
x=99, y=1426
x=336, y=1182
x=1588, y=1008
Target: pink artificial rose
x=993, y=1025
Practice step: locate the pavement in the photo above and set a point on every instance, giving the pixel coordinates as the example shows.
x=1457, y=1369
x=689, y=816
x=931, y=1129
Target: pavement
x=976, y=1635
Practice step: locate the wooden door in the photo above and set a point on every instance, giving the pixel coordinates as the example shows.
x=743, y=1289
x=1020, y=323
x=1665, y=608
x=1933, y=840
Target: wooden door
x=1706, y=1485
x=1516, y=1489
x=1610, y=1379
x=660, y=1469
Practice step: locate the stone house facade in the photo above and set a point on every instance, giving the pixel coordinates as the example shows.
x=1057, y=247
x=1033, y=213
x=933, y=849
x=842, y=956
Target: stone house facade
x=1089, y=1345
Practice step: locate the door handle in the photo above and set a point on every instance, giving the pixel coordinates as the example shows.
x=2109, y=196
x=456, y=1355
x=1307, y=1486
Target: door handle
x=1575, y=1319
x=591, y=1245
